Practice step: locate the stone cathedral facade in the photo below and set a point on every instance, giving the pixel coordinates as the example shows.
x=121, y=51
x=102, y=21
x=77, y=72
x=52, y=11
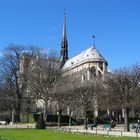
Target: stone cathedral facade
x=89, y=59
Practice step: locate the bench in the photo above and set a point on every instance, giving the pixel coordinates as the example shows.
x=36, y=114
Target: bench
x=91, y=125
x=106, y=126
x=2, y=122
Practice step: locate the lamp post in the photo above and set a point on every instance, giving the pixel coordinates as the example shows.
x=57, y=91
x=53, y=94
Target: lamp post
x=69, y=113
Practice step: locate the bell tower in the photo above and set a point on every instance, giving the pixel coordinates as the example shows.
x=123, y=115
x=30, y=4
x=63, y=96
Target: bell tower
x=64, y=45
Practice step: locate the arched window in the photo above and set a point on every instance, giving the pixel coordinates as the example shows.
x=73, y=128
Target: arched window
x=101, y=65
x=92, y=72
x=100, y=75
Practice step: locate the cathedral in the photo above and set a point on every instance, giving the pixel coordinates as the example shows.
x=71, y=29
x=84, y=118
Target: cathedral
x=87, y=64
x=89, y=60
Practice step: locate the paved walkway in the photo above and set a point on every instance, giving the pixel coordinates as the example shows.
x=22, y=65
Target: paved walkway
x=118, y=131
x=18, y=126
x=99, y=131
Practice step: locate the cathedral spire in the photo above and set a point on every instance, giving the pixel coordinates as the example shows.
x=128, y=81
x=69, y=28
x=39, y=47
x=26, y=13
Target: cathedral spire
x=64, y=36
x=64, y=44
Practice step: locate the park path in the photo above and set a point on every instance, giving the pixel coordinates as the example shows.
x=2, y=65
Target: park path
x=118, y=131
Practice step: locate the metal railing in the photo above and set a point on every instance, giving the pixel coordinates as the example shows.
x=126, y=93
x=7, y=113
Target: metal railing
x=97, y=131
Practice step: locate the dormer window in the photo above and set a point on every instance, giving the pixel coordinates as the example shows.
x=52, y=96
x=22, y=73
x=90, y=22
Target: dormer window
x=72, y=63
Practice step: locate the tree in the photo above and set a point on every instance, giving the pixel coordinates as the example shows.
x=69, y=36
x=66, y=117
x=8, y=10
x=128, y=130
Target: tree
x=87, y=95
x=122, y=89
x=84, y=92
x=4, y=102
x=15, y=70
x=10, y=66
x=71, y=105
x=60, y=100
x=80, y=94
x=44, y=72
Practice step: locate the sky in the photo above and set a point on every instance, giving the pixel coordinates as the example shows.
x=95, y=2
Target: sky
x=115, y=23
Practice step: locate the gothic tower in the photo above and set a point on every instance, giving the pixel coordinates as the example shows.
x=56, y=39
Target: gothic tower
x=64, y=45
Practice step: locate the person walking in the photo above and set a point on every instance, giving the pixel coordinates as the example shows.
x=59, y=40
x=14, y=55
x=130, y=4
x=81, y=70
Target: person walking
x=138, y=126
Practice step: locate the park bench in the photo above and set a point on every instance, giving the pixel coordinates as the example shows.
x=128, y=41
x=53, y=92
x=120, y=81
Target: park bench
x=2, y=122
x=106, y=126
x=91, y=125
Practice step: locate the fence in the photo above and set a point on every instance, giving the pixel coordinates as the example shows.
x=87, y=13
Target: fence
x=96, y=131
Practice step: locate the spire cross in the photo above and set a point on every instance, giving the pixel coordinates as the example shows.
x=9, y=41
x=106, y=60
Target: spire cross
x=93, y=36
x=64, y=11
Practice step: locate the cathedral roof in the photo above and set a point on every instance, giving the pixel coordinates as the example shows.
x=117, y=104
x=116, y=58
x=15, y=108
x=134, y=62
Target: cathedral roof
x=90, y=54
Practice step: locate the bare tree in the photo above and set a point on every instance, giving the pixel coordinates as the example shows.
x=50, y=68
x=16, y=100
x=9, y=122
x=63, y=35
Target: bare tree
x=81, y=95
x=71, y=105
x=87, y=94
x=122, y=90
x=4, y=102
x=44, y=73
x=60, y=100
x=15, y=70
x=10, y=65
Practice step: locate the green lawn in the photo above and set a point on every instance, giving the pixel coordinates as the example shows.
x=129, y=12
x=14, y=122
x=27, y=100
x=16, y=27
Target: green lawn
x=33, y=134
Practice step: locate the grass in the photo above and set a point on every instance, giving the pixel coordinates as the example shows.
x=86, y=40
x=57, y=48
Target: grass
x=33, y=134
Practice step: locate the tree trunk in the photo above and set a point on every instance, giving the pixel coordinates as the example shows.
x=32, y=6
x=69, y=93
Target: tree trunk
x=85, y=121
x=45, y=112
x=13, y=115
x=126, y=119
x=27, y=117
x=17, y=115
x=59, y=118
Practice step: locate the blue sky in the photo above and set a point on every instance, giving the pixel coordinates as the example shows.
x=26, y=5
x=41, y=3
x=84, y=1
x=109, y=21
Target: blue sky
x=115, y=23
